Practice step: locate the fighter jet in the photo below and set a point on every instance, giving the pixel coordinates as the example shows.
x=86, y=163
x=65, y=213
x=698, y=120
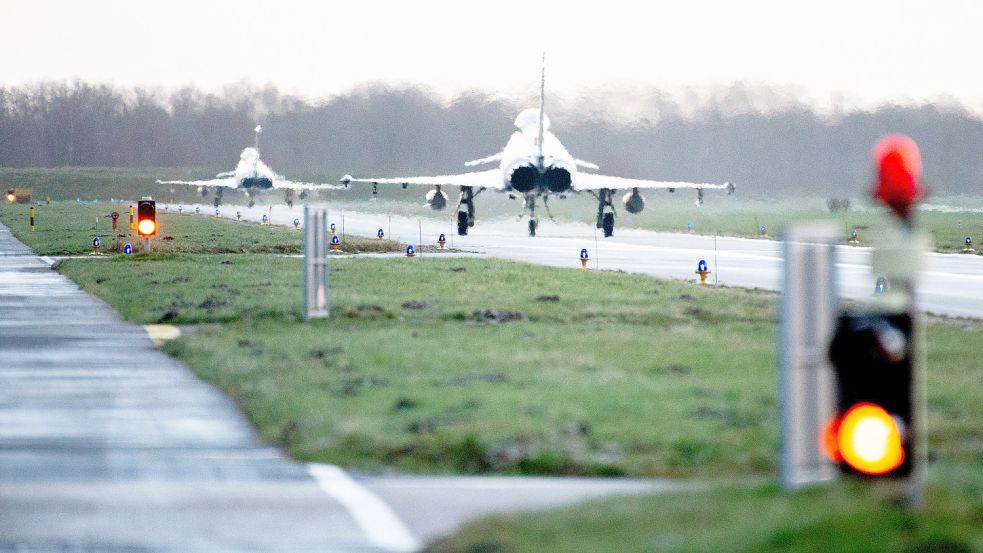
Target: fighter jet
x=533, y=165
x=252, y=175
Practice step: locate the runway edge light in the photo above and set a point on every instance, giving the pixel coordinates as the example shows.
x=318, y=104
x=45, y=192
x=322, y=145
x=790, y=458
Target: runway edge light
x=703, y=271
x=584, y=258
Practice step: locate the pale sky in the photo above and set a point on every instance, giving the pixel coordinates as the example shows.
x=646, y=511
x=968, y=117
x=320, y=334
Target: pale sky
x=866, y=51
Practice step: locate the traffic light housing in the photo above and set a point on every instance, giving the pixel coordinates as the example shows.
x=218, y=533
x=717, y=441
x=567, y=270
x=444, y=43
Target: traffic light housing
x=146, y=218
x=872, y=433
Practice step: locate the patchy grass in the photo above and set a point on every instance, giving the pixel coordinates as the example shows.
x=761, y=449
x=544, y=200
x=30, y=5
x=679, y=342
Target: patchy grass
x=845, y=517
x=499, y=367
x=67, y=228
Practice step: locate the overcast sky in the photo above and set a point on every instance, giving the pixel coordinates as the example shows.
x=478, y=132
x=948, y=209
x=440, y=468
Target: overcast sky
x=863, y=51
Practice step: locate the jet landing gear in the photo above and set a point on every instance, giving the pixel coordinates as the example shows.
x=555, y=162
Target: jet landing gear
x=533, y=220
x=465, y=210
x=605, y=211
x=218, y=197
x=252, y=201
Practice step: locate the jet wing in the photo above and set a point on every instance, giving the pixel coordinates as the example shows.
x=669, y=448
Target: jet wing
x=229, y=182
x=491, y=179
x=593, y=181
x=290, y=185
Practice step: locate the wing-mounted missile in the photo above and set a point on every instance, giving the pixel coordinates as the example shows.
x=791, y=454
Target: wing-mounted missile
x=437, y=199
x=633, y=201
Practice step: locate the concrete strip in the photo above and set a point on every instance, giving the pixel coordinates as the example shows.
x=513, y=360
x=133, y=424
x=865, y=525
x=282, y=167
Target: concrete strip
x=107, y=444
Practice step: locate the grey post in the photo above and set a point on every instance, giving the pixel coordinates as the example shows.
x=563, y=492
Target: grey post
x=317, y=301
x=807, y=393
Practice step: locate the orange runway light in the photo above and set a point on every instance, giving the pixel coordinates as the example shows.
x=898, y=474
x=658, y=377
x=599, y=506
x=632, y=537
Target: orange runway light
x=869, y=440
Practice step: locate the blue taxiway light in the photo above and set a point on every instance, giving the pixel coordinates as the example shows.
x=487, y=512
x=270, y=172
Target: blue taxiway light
x=690, y=225
x=335, y=239
x=583, y=254
x=380, y=234
x=96, y=242
x=441, y=238
x=853, y=234
x=969, y=241
x=296, y=221
x=265, y=218
x=410, y=250
x=332, y=227
x=128, y=249
x=881, y=285
x=701, y=266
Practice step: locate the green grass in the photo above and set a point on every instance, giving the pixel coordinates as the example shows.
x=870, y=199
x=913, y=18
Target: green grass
x=845, y=517
x=623, y=375
x=67, y=228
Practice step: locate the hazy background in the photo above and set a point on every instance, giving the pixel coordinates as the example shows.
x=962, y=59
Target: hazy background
x=778, y=97
x=788, y=149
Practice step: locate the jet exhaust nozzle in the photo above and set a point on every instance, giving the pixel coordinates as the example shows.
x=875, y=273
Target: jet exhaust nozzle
x=524, y=178
x=557, y=179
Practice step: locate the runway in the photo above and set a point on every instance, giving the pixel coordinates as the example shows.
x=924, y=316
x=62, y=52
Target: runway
x=951, y=285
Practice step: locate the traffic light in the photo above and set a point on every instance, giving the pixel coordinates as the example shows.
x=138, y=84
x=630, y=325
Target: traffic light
x=872, y=433
x=11, y=196
x=146, y=218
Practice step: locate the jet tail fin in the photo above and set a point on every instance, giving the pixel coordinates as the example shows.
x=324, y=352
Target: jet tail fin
x=542, y=106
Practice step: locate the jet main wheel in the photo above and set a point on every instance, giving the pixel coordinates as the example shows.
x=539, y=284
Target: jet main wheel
x=462, y=223
x=218, y=201
x=532, y=227
x=608, y=224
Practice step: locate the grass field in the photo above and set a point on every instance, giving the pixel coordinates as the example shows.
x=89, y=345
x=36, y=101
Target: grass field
x=475, y=366
x=67, y=228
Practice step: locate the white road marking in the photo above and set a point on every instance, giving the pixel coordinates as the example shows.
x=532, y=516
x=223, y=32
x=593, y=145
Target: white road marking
x=381, y=525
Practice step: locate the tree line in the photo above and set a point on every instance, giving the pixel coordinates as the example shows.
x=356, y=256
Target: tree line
x=379, y=129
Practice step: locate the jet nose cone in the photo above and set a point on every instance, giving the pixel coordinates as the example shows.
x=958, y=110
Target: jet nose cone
x=346, y=180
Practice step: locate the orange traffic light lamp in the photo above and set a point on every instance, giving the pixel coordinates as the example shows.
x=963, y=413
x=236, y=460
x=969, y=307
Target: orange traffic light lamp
x=146, y=218
x=866, y=438
x=11, y=196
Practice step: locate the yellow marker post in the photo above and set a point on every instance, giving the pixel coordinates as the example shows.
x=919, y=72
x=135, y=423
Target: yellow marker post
x=132, y=224
x=32, y=213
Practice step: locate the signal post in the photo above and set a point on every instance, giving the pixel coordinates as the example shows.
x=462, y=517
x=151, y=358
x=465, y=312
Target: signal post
x=859, y=409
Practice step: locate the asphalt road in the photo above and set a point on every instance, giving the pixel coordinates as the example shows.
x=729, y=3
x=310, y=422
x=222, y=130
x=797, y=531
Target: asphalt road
x=951, y=285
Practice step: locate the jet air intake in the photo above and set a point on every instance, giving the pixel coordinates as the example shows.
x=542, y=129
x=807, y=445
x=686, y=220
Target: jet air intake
x=557, y=179
x=634, y=202
x=523, y=178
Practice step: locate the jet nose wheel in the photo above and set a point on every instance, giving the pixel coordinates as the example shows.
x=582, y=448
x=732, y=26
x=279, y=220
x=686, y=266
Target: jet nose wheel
x=533, y=223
